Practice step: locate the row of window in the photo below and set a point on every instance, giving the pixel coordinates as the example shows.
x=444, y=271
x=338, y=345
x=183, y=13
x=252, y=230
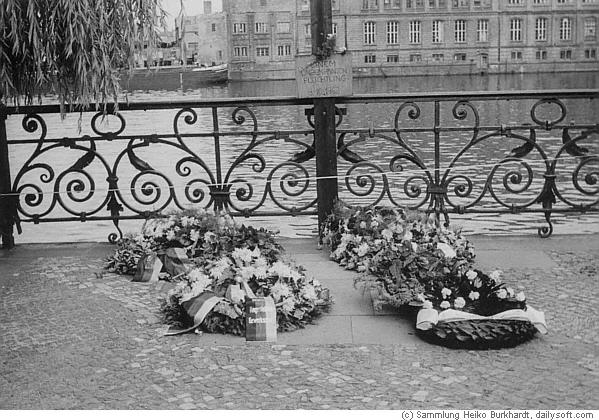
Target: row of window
x=261, y=27
x=419, y=4
x=438, y=4
x=282, y=51
x=482, y=30
x=589, y=54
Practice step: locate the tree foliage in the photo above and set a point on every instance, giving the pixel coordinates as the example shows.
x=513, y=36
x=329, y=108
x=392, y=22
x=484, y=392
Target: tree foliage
x=74, y=49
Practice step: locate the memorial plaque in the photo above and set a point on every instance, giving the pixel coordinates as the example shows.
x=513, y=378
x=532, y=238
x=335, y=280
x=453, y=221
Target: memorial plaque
x=327, y=77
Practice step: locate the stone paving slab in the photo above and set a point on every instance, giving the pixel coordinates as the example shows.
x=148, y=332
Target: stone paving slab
x=73, y=337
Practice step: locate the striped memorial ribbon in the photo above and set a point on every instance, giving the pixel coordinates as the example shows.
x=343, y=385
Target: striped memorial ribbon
x=197, y=308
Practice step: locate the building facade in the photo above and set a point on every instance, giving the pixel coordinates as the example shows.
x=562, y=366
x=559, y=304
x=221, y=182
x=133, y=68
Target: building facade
x=205, y=38
x=402, y=37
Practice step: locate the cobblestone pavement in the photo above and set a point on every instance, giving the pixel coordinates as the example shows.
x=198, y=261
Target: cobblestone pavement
x=73, y=337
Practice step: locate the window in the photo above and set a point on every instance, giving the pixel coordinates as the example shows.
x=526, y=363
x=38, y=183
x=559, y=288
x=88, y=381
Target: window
x=539, y=2
x=395, y=4
x=516, y=30
x=565, y=54
x=307, y=31
x=370, y=4
x=437, y=4
x=284, y=50
x=261, y=28
x=461, y=3
x=564, y=1
x=283, y=27
x=541, y=55
x=415, y=58
x=482, y=30
x=590, y=54
x=459, y=57
x=240, y=51
x=414, y=32
x=565, y=29
x=262, y=51
x=239, y=28
x=392, y=32
x=370, y=58
x=437, y=32
x=438, y=57
x=414, y=4
x=460, y=31
x=514, y=2
x=541, y=29
x=369, y=33
x=334, y=28
x=590, y=28
x=393, y=58
x=516, y=55
x=214, y=27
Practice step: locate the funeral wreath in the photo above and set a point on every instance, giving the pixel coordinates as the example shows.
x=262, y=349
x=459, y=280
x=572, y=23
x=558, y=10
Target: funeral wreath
x=411, y=262
x=214, y=263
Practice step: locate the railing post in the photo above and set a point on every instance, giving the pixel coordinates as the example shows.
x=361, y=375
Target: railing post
x=7, y=208
x=324, y=119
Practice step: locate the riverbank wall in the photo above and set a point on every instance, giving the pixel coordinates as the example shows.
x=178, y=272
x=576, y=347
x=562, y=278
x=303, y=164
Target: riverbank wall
x=262, y=72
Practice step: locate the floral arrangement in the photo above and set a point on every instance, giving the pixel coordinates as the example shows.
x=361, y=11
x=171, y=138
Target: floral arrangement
x=298, y=299
x=399, y=253
x=472, y=291
x=413, y=261
x=225, y=257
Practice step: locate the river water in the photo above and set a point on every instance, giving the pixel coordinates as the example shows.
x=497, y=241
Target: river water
x=359, y=116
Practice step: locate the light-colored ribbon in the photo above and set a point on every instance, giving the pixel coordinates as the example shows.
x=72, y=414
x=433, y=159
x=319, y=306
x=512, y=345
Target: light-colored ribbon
x=428, y=317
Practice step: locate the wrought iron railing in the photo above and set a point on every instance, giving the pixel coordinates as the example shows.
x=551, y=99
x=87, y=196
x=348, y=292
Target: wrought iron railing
x=443, y=153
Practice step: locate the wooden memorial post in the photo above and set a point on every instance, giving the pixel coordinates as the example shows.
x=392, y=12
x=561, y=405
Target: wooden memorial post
x=323, y=76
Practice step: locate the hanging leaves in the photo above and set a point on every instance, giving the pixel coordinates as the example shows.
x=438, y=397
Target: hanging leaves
x=74, y=49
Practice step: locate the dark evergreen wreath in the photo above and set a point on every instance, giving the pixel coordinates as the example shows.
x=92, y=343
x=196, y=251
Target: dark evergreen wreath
x=479, y=334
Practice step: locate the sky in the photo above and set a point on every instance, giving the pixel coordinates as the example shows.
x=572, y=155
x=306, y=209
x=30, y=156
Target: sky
x=192, y=7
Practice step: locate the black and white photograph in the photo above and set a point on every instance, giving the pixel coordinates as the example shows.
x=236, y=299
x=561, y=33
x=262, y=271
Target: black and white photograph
x=299, y=207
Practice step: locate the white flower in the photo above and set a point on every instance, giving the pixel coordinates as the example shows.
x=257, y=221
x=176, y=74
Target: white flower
x=170, y=235
x=445, y=292
x=520, y=297
x=186, y=221
x=471, y=274
x=309, y=292
x=246, y=272
x=362, y=249
x=473, y=295
x=242, y=254
x=194, y=235
x=219, y=268
x=447, y=250
x=445, y=305
x=199, y=283
x=495, y=275
x=279, y=290
x=256, y=252
x=387, y=234
x=501, y=293
x=459, y=303
x=288, y=305
x=421, y=297
x=374, y=224
x=282, y=270
x=362, y=225
x=208, y=236
x=408, y=235
x=414, y=246
x=427, y=304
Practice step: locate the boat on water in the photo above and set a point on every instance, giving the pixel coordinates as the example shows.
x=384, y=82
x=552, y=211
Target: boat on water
x=175, y=77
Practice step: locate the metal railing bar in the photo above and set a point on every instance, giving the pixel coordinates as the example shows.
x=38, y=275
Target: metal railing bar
x=290, y=100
